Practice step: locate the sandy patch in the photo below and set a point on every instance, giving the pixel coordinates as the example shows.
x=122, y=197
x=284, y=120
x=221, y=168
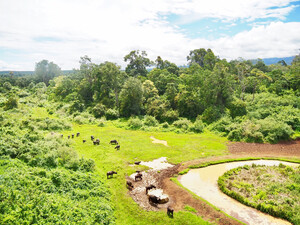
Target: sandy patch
x=156, y=141
x=157, y=164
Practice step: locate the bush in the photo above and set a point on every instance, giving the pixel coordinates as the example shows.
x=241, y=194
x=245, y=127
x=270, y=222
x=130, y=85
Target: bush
x=150, y=121
x=197, y=127
x=135, y=123
x=11, y=103
x=170, y=116
x=237, y=108
x=182, y=124
x=112, y=114
x=99, y=110
x=211, y=114
x=7, y=86
x=165, y=125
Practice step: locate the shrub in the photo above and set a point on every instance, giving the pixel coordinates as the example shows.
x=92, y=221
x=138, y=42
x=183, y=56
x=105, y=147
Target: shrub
x=211, y=114
x=170, y=116
x=237, y=108
x=7, y=86
x=135, y=123
x=112, y=114
x=165, y=125
x=99, y=110
x=11, y=103
x=182, y=124
x=197, y=127
x=150, y=121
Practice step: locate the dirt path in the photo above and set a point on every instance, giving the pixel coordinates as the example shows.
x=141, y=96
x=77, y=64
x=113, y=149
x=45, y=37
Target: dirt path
x=180, y=197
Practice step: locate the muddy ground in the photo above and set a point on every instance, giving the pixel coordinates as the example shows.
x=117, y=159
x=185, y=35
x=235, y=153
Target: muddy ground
x=180, y=197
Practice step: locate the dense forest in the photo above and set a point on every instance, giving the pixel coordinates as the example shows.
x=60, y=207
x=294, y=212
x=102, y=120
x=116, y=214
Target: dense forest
x=238, y=99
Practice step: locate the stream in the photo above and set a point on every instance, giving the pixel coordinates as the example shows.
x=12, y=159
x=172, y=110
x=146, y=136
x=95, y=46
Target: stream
x=204, y=183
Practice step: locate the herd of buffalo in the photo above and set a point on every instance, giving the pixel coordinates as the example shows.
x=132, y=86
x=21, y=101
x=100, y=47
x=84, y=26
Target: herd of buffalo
x=137, y=177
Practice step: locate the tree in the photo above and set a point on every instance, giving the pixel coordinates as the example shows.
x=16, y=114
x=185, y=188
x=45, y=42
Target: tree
x=197, y=56
x=171, y=67
x=108, y=81
x=256, y=77
x=131, y=97
x=137, y=63
x=45, y=71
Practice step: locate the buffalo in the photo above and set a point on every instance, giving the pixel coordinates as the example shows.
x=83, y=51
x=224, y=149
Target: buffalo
x=110, y=174
x=113, y=142
x=170, y=211
x=149, y=188
x=138, y=176
x=118, y=147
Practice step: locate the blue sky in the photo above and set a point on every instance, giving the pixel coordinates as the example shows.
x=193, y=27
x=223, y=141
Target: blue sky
x=63, y=30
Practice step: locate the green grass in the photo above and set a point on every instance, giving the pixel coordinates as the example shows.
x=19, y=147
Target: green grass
x=135, y=146
x=271, y=189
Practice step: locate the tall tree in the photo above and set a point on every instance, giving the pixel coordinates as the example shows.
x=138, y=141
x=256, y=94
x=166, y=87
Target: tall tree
x=197, y=56
x=131, y=97
x=137, y=63
x=45, y=71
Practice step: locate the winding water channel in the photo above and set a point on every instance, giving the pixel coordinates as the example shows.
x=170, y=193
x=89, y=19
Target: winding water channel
x=203, y=182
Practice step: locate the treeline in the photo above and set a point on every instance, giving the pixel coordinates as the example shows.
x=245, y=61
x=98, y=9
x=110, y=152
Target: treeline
x=210, y=89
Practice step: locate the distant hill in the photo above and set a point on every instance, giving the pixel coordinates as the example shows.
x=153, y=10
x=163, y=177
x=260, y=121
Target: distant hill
x=25, y=73
x=269, y=61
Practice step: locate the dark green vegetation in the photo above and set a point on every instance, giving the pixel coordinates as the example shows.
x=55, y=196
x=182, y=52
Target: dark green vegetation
x=42, y=179
x=242, y=100
x=274, y=190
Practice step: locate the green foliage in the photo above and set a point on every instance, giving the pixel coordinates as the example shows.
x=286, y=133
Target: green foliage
x=137, y=63
x=150, y=121
x=35, y=195
x=182, y=124
x=237, y=108
x=135, y=123
x=112, y=114
x=197, y=126
x=99, y=110
x=276, y=194
x=46, y=71
x=12, y=102
x=131, y=97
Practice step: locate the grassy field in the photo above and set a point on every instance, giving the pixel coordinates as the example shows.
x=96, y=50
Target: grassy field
x=271, y=189
x=135, y=146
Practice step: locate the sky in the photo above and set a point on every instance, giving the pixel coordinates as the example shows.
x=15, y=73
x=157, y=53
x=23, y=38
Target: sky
x=62, y=31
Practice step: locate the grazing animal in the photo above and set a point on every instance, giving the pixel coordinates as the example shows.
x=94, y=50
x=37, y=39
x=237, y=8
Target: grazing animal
x=68, y=136
x=137, y=163
x=92, y=138
x=118, y=147
x=138, y=176
x=77, y=135
x=129, y=185
x=149, y=188
x=110, y=174
x=94, y=142
x=83, y=141
x=72, y=135
x=97, y=141
x=170, y=211
x=153, y=199
x=61, y=135
x=113, y=142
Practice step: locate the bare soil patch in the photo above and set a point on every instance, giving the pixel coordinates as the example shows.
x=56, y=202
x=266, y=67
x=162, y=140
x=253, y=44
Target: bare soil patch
x=180, y=197
x=156, y=141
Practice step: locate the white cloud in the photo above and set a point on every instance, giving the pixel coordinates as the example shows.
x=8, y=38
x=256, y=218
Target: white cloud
x=108, y=30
